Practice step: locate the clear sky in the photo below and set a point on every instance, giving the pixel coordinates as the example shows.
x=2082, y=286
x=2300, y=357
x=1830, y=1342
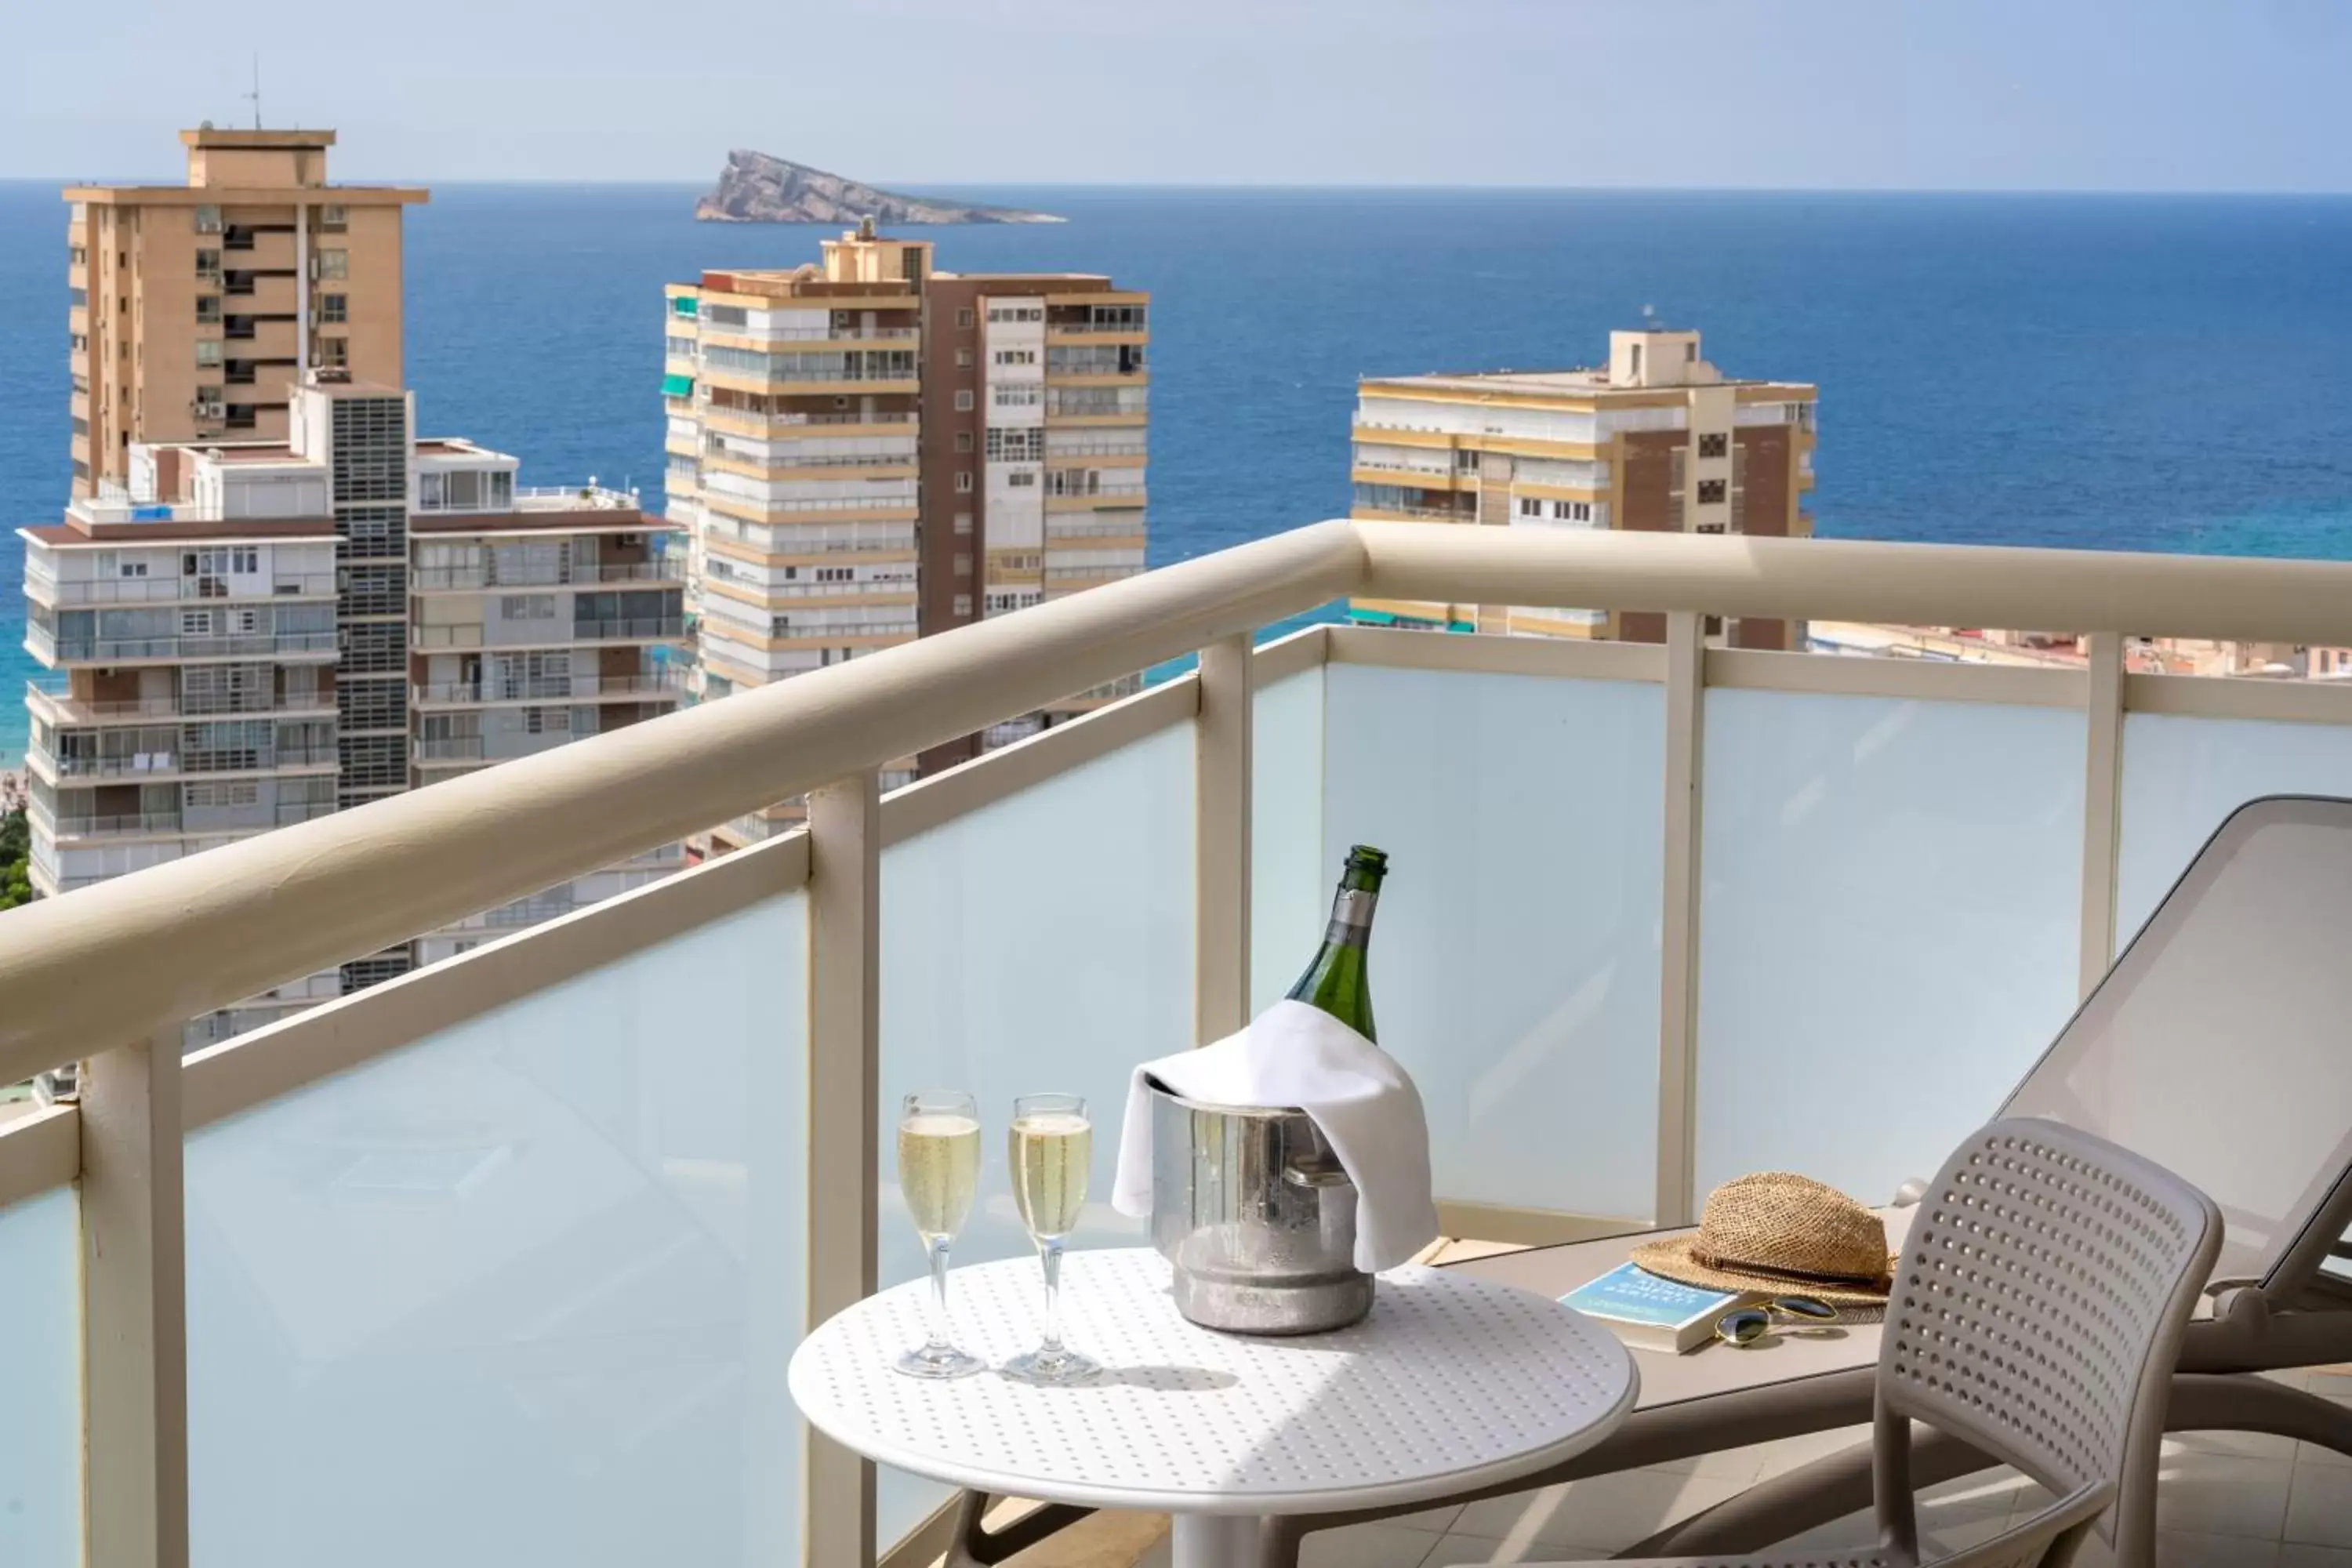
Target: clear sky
x=2217, y=95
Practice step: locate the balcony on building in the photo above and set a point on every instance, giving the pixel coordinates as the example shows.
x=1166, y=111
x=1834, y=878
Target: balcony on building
x=503, y=1260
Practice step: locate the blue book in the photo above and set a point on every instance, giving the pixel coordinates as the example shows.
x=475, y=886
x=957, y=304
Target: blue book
x=1651, y=1312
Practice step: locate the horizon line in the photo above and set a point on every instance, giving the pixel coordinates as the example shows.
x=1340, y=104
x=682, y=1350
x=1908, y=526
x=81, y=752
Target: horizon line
x=921, y=187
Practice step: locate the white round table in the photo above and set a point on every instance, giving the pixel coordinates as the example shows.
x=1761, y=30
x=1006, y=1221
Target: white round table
x=1452, y=1383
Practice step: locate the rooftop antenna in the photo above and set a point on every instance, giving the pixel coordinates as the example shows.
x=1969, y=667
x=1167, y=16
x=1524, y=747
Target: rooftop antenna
x=256, y=94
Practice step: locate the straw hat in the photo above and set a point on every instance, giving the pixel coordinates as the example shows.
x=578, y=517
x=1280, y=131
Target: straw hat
x=1786, y=1234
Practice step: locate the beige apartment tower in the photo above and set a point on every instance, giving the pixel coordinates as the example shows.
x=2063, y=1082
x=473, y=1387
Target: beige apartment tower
x=195, y=306
x=291, y=604
x=1656, y=440
x=869, y=451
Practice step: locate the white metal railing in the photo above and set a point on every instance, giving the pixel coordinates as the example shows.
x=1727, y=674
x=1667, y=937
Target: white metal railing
x=894, y=503
x=128, y=960
x=48, y=647
x=793, y=422
x=64, y=708
x=573, y=498
x=266, y=760
x=158, y=590
x=543, y=687
x=815, y=335
x=482, y=575
x=1055, y=528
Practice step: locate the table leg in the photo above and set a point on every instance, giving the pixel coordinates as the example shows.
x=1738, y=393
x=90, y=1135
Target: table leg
x=1213, y=1541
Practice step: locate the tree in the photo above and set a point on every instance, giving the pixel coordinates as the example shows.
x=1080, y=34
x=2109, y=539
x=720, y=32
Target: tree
x=15, y=849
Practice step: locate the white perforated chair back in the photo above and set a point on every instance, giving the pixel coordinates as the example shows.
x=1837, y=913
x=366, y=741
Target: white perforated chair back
x=2038, y=1312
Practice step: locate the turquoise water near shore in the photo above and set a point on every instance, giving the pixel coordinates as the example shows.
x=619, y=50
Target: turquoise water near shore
x=2106, y=372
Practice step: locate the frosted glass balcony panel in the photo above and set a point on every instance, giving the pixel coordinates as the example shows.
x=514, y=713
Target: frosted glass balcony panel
x=40, y=1394
x=2182, y=776
x=523, y=1291
x=1290, y=885
x=1043, y=943
x=1887, y=930
x=1515, y=957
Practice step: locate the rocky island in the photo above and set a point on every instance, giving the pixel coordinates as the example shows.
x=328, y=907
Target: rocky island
x=757, y=188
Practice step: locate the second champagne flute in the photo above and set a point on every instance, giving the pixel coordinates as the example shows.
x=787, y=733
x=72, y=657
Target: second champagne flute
x=1050, y=1148
x=938, y=1173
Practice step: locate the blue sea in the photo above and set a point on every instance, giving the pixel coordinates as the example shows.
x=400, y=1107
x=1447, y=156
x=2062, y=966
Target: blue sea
x=2106, y=371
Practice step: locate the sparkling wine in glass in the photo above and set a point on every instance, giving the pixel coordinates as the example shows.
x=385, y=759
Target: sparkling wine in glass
x=1050, y=1147
x=938, y=1173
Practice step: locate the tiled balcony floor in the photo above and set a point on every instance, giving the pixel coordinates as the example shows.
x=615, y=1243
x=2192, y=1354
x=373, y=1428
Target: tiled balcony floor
x=2226, y=1500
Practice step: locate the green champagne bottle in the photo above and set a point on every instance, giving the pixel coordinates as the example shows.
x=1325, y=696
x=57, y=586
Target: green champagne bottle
x=1336, y=982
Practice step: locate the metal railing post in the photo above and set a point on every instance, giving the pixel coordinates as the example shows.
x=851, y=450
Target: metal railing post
x=2102, y=805
x=1685, y=698
x=134, y=1309
x=1221, y=848
x=844, y=1050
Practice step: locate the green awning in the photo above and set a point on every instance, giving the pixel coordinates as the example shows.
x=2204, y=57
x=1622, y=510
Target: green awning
x=684, y=304
x=678, y=386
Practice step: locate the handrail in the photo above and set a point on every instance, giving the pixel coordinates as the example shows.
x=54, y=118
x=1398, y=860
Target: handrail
x=124, y=958
x=2221, y=597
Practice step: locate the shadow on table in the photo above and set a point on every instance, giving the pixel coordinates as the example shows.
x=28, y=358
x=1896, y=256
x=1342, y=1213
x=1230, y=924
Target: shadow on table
x=1168, y=1379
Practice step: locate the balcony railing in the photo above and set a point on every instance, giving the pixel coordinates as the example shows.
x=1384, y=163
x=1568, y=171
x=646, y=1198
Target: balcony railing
x=151, y=764
x=56, y=703
x=548, y=687
x=161, y=590
x=1661, y=913
x=573, y=498
x=46, y=646
x=480, y=575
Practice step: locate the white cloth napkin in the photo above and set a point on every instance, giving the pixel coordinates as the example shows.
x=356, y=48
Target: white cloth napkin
x=1367, y=1109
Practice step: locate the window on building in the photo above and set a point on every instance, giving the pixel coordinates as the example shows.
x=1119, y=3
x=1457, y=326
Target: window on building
x=1530, y=507
x=334, y=219
x=334, y=307
x=964, y=316
x=1465, y=462
x=963, y=604
x=963, y=401
x=527, y=607
x=208, y=220
x=334, y=262
x=334, y=353
x=963, y=565
x=963, y=482
x=963, y=440
x=1015, y=356
x=963, y=522
x=1572, y=512
x=208, y=310
x=1021, y=478
x=1711, y=492
x=1715, y=443
x=208, y=264
x=1019, y=394
x=208, y=354
x=963, y=359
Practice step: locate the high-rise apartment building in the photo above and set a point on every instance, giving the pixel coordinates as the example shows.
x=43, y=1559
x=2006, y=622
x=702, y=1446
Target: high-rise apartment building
x=254, y=634
x=869, y=451
x=1659, y=440
x=196, y=307
x=256, y=618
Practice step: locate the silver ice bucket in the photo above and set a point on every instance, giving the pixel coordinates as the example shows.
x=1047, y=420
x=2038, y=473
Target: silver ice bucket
x=1256, y=1218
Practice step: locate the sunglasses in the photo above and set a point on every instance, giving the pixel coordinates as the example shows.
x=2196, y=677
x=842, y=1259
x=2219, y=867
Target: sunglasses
x=1750, y=1324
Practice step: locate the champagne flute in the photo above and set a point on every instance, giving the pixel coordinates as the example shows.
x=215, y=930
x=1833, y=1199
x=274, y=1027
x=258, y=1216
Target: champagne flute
x=938, y=1173
x=1051, y=1145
